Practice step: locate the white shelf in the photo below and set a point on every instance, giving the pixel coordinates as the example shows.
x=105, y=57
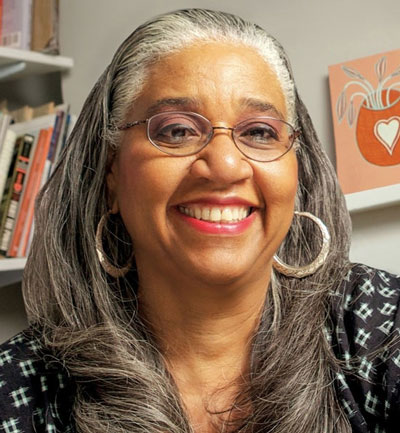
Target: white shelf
x=15, y=63
x=11, y=270
x=373, y=198
x=12, y=264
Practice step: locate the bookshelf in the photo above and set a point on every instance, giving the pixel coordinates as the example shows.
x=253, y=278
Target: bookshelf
x=15, y=63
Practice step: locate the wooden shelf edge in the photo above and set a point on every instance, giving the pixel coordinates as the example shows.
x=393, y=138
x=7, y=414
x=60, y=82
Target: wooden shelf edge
x=373, y=198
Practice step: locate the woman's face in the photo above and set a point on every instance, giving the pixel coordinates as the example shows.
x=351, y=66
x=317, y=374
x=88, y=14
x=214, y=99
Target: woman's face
x=226, y=84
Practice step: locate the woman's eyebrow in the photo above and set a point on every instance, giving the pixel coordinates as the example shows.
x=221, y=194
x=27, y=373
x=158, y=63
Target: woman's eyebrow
x=178, y=103
x=260, y=105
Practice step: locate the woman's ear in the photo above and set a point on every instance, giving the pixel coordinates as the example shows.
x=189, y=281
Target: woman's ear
x=112, y=188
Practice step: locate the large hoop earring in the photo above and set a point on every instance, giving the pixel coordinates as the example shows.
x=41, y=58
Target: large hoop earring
x=114, y=271
x=304, y=271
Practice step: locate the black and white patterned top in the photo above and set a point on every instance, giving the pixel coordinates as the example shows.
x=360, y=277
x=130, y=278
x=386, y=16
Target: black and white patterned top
x=36, y=395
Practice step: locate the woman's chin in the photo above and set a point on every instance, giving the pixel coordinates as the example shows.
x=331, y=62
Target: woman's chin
x=230, y=273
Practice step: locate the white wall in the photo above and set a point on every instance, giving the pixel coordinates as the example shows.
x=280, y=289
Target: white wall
x=315, y=33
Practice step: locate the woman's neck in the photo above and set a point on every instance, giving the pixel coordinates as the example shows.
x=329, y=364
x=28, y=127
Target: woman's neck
x=204, y=334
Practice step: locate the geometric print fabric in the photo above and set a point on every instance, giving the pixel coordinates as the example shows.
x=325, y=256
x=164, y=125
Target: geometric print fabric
x=35, y=396
x=364, y=331
x=365, y=335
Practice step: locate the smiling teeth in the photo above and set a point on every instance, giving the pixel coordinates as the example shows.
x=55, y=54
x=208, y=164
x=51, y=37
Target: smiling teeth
x=215, y=214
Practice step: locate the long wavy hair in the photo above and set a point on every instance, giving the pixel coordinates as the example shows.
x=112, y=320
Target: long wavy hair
x=89, y=321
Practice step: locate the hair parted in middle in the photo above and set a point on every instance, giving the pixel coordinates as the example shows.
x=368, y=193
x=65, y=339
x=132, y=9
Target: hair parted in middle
x=89, y=321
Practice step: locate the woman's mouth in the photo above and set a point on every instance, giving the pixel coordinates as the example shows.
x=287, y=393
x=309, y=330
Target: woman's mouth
x=217, y=219
x=214, y=214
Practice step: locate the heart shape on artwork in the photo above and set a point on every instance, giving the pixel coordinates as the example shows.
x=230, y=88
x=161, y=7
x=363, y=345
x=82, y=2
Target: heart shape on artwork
x=388, y=132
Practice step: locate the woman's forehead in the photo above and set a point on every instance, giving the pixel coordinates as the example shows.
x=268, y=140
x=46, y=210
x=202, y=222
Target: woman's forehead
x=214, y=72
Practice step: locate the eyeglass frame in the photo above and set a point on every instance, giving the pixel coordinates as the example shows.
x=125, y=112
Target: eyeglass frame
x=294, y=136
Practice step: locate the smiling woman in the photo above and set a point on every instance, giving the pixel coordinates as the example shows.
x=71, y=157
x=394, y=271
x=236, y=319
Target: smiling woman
x=213, y=179
x=164, y=302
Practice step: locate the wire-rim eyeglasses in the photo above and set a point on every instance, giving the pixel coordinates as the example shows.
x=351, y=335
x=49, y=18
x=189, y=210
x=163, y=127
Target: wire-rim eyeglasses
x=181, y=133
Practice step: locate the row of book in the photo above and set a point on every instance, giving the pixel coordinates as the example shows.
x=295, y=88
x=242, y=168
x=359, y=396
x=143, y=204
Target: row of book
x=28, y=154
x=30, y=25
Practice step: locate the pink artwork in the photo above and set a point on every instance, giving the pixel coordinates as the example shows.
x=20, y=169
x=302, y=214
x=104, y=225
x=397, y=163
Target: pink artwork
x=365, y=99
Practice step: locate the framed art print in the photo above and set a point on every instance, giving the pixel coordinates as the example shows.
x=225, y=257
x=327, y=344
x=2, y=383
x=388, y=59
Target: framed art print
x=365, y=101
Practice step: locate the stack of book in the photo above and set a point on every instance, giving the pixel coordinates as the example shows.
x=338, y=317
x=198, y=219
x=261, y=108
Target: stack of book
x=28, y=153
x=30, y=25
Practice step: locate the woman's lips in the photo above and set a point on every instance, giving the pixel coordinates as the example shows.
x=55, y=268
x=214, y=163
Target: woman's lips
x=212, y=218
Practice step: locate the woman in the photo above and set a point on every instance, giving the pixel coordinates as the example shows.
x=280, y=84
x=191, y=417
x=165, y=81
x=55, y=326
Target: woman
x=150, y=287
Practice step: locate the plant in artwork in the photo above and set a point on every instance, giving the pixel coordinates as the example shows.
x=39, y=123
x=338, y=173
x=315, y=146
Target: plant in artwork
x=378, y=120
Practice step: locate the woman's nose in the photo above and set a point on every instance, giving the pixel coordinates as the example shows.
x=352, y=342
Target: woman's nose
x=221, y=161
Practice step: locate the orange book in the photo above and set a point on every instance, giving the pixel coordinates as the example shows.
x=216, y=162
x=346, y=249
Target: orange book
x=25, y=215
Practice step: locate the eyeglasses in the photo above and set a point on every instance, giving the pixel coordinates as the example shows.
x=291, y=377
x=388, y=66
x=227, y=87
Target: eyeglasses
x=181, y=133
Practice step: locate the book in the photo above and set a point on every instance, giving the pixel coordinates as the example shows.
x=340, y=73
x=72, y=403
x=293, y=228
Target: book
x=3, y=104
x=5, y=120
x=55, y=137
x=25, y=113
x=18, y=181
x=22, y=114
x=16, y=24
x=44, y=109
x=6, y=155
x=5, y=229
x=20, y=235
x=45, y=28
x=68, y=127
x=33, y=128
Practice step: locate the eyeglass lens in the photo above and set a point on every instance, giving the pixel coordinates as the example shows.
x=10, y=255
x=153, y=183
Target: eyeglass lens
x=179, y=133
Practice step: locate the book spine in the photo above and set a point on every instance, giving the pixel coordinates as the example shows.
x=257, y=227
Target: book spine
x=5, y=123
x=26, y=24
x=56, y=134
x=16, y=23
x=6, y=156
x=50, y=154
x=12, y=24
x=7, y=187
x=18, y=186
x=62, y=137
x=25, y=216
x=5, y=232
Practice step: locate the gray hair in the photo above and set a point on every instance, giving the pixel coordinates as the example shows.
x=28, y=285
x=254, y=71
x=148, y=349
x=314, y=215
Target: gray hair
x=89, y=321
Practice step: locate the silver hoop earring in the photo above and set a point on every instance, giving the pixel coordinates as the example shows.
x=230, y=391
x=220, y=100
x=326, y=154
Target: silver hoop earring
x=304, y=271
x=114, y=271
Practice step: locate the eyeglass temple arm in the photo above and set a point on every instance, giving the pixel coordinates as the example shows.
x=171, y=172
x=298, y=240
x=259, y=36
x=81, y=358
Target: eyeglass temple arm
x=131, y=124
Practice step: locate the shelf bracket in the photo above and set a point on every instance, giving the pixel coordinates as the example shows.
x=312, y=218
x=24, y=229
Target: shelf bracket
x=11, y=69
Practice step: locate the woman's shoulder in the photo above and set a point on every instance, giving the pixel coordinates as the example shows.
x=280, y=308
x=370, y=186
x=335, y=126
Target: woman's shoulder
x=34, y=389
x=366, y=338
x=366, y=311
x=369, y=303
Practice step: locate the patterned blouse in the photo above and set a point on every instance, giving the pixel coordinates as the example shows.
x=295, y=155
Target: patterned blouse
x=37, y=397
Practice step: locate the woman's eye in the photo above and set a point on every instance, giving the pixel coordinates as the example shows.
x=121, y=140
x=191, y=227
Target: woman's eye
x=259, y=134
x=176, y=133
